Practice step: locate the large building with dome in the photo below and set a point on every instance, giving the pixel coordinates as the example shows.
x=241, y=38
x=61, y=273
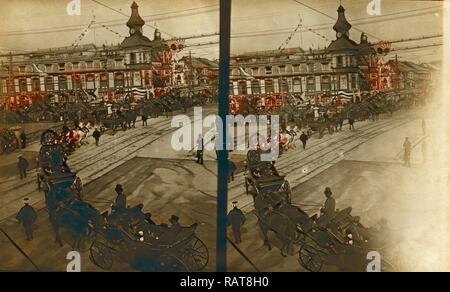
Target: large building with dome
x=344, y=66
x=137, y=62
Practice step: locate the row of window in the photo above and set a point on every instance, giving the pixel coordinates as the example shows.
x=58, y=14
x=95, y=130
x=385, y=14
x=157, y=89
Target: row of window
x=311, y=67
x=284, y=69
x=311, y=84
x=71, y=66
x=62, y=83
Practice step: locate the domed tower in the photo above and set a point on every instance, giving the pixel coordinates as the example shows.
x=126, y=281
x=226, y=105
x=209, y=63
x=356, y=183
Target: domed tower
x=342, y=26
x=135, y=23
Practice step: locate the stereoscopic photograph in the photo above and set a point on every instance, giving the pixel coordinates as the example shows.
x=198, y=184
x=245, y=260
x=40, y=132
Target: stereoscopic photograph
x=224, y=136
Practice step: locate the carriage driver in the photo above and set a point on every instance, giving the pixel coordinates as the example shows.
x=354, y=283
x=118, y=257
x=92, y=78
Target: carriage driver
x=328, y=212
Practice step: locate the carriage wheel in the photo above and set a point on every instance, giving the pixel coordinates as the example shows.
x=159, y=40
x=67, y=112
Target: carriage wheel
x=310, y=258
x=195, y=254
x=100, y=256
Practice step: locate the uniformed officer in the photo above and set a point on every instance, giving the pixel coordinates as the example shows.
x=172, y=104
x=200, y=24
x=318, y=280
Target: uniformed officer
x=26, y=217
x=121, y=199
x=236, y=219
x=22, y=165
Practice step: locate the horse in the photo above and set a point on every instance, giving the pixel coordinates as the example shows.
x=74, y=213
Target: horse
x=284, y=220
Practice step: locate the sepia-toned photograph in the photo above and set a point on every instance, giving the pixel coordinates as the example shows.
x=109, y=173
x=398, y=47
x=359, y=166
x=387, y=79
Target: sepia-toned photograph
x=235, y=136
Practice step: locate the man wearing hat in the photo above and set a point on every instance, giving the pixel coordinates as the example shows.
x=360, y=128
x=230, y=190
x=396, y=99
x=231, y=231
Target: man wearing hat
x=121, y=199
x=304, y=139
x=26, y=217
x=236, y=219
x=329, y=209
x=175, y=225
x=79, y=188
x=22, y=165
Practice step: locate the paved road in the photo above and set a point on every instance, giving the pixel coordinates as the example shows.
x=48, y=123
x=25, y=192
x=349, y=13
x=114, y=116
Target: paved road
x=365, y=171
x=165, y=186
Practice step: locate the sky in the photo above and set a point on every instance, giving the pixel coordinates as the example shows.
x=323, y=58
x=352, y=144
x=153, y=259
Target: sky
x=256, y=24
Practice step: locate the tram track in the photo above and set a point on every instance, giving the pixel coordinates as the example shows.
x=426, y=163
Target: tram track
x=162, y=130
x=122, y=143
x=318, y=160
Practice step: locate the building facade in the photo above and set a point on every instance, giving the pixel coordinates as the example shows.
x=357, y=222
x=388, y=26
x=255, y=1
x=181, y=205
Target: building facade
x=137, y=62
x=342, y=66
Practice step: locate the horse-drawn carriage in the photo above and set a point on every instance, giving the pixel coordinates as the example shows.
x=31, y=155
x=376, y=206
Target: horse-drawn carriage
x=124, y=235
x=8, y=141
x=262, y=176
x=340, y=241
x=155, y=248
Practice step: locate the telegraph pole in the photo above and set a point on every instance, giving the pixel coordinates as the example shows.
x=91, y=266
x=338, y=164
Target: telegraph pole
x=11, y=77
x=222, y=183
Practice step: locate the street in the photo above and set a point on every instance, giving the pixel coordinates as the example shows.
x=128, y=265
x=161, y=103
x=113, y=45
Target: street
x=365, y=171
x=142, y=160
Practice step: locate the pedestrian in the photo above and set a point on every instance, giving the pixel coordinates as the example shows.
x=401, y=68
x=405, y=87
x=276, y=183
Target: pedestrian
x=304, y=138
x=27, y=216
x=407, y=152
x=39, y=179
x=121, y=200
x=96, y=136
x=231, y=170
x=200, y=146
x=236, y=219
x=144, y=120
x=79, y=188
x=22, y=165
x=351, y=123
x=424, y=127
x=23, y=139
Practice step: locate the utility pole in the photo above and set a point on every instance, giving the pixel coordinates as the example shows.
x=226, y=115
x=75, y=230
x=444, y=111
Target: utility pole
x=10, y=75
x=222, y=183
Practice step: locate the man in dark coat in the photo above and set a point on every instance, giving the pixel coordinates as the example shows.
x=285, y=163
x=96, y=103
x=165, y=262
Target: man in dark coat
x=328, y=212
x=23, y=139
x=200, y=149
x=79, y=188
x=96, y=136
x=231, y=170
x=27, y=216
x=236, y=219
x=304, y=139
x=22, y=165
x=175, y=225
x=144, y=120
x=351, y=123
x=121, y=199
